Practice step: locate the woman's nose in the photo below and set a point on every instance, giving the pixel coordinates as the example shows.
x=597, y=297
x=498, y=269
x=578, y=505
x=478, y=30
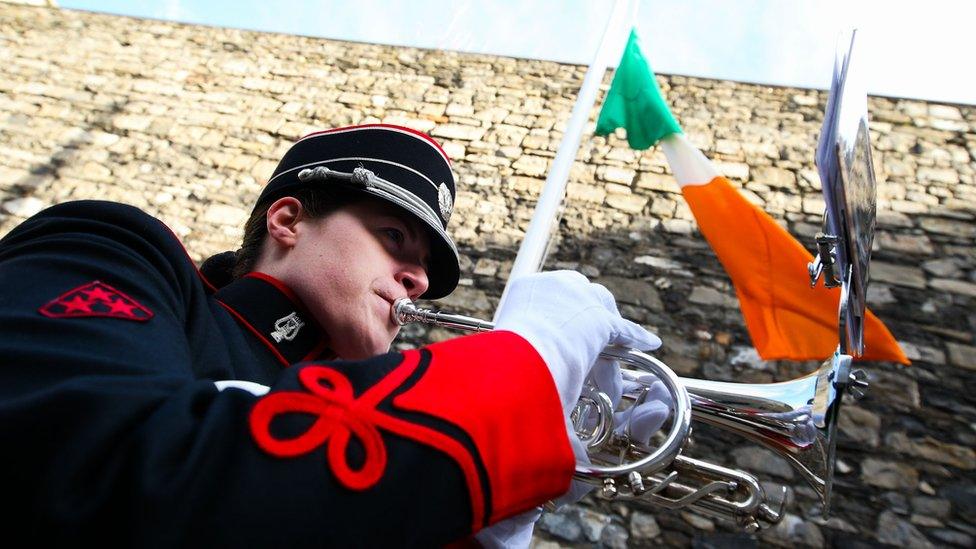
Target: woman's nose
x=414, y=280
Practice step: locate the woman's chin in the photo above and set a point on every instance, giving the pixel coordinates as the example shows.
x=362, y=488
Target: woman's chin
x=365, y=350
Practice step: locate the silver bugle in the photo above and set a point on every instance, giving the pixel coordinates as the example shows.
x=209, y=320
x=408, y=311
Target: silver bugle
x=795, y=419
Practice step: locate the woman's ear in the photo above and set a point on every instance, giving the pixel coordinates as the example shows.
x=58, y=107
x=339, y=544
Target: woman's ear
x=283, y=217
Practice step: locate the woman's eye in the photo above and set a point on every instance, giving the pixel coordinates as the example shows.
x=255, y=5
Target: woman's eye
x=395, y=234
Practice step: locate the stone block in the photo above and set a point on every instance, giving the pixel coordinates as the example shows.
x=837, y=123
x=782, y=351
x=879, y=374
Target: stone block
x=663, y=208
x=586, y=193
x=419, y=124
x=894, y=389
x=13, y=176
x=901, y=243
x=614, y=174
x=732, y=170
x=531, y=165
x=923, y=353
x=678, y=226
x=458, y=109
x=908, y=207
x=728, y=147
x=946, y=176
x=888, y=474
x=24, y=207
x=506, y=134
x=949, y=227
x=899, y=275
x=96, y=171
x=533, y=141
x=880, y=295
x=263, y=168
x=708, y=296
x=949, y=125
x=933, y=450
x=633, y=292
x=454, y=151
x=658, y=182
x=959, y=287
x=860, y=425
x=530, y=185
x=630, y=203
x=814, y=205
x=961, y=355
x=223, y=214
x=946, y=112
x=793, y=531
x=894, y=530
x=457, y=131
x=643, y=527
x=773, y=177
x=132, y=122
x=890, y=219
x=562, y=524
x=616, y=188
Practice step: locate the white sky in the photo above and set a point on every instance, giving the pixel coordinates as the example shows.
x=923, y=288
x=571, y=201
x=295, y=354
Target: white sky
x=921, y=49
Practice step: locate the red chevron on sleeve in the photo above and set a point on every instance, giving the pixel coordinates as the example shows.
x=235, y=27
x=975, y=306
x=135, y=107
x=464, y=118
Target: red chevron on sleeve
x=497, y=388
x=95, y=299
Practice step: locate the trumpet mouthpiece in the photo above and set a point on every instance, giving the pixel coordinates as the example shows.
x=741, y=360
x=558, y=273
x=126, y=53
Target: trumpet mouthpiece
x=400, y=312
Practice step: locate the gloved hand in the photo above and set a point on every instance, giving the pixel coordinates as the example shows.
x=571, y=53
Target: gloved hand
x=639, y=422
x=648, y=413
x=511, y=533
x=568, y=320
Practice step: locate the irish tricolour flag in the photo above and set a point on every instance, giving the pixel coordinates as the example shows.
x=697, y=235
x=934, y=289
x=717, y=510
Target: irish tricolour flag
x=786, y=318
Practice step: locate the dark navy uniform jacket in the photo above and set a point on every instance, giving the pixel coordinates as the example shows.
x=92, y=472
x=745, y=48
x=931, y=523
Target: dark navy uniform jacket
x=113, y=353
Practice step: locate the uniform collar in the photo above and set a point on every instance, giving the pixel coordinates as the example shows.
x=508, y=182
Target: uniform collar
x=274, y=315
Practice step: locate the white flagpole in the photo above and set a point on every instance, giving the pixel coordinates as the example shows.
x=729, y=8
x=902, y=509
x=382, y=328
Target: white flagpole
x=545, y=220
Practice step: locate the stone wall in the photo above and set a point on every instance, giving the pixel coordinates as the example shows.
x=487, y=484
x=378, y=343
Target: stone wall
x=187, y=122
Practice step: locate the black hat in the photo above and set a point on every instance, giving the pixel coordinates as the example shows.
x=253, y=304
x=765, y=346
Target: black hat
x=399, y=165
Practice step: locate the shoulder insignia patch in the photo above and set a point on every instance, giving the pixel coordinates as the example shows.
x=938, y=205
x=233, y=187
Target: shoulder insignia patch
x=95, y=299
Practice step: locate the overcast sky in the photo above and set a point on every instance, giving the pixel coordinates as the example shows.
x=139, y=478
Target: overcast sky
x=920, y=49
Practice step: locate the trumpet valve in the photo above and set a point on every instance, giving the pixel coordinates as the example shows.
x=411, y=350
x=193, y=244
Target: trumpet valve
x=636, y=483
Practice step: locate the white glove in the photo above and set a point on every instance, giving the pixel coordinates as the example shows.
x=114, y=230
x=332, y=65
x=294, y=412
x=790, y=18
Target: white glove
x=639, y=422
x=511, y=533
x=647, y=415
x=568, y=320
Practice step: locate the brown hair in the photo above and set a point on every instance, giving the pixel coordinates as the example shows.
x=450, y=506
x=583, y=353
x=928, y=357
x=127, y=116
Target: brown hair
x=316, y=202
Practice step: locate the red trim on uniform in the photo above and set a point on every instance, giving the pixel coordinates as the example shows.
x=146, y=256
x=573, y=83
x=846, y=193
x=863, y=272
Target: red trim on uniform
x=292, y=296
x=256, y=333
x=316, y=352
x=484, y=384
x=418, y=133
x=340, y=416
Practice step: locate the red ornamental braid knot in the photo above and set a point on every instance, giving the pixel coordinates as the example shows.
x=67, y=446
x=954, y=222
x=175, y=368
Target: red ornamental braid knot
x=338, y=417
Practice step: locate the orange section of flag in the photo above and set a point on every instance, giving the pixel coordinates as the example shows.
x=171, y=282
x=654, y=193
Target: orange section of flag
x=786, y=318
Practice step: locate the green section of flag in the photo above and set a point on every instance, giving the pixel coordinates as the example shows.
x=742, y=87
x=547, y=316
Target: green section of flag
x=634, y=102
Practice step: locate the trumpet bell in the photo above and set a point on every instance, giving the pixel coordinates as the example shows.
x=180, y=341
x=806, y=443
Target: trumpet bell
x=796, y=419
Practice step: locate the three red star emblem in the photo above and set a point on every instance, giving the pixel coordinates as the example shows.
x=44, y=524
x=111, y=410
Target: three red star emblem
x=93, y=300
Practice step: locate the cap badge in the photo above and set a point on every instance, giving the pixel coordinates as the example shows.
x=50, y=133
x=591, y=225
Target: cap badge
x=286, y=328
x=445, y=201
